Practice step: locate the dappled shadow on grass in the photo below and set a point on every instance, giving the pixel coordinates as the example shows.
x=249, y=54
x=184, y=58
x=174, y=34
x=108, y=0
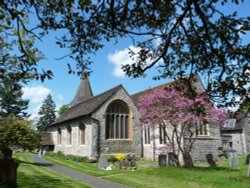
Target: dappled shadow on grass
x=204, y=169
x=212, y=169
x=35, y=164
x=240, y=179
x=40, y=180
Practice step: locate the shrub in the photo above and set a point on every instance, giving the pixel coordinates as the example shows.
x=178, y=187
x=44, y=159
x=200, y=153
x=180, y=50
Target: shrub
x=91, y=161
x=76, y=158
x=112, y=159
x=59, y=155
x=82, y=159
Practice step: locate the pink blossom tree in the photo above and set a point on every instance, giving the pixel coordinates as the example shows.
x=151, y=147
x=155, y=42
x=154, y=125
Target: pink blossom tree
x=179, y=116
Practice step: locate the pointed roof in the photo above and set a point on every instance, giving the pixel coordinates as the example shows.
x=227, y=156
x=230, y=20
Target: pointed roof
x=84, y=91
x=87, y=107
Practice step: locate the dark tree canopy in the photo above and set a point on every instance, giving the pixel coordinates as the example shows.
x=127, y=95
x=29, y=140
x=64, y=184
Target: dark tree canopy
x=178, y=37
x=16, y=133
x=11, y=101
x=46, y=113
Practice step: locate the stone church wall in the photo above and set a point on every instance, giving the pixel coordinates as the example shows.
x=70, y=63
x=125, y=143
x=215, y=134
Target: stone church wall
x=113, y=146
x=247, y=133
x=202, y=146
x=75, y=148
x=207, y=144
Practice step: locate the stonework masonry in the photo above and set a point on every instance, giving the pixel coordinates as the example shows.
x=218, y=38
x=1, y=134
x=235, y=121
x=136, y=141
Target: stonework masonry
x=75, y=148
x=246, y=133
x=207, y=144
x=113, y=146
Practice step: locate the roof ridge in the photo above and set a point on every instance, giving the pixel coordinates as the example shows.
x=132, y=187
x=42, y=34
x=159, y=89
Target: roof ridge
x=88, y=106
x=166, y=84
x=153, y=88
x=100, y=94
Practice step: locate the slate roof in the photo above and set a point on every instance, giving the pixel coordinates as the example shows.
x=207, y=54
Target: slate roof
x=86, y=107
x=84, y=91
x=135, y=97
x=241, y=122
x=196, y=80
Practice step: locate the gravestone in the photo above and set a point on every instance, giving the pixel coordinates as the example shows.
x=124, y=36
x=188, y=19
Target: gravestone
x=210, y=160
x=129, y=157
x=172, y=159
x=124, y=164
x=103, y=162
x=133, y=165
x=233, y=158
x=247, y=159
x=162, y=160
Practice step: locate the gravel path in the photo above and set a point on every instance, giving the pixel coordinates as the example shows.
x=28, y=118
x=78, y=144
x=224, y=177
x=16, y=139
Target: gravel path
x=91, y=180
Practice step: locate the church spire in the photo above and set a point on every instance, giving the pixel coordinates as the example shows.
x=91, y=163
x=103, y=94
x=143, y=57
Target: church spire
x=84, y=91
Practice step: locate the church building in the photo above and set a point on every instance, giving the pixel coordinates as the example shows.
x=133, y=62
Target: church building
x=93, y=125
x=109, y=123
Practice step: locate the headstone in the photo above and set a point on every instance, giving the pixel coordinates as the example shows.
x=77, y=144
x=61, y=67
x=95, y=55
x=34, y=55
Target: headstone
x=210, y=160
x=233, y=159
x=247, y=159
x=129, y=157
x=172, y=159
x=133, y=165
x=162, y=160
x=124, y=164
x=103, y=162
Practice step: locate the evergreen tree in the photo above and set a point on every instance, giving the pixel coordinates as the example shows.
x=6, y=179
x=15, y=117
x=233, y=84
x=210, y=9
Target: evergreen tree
x=63, y=109
x=11, y=101
x=46, y=113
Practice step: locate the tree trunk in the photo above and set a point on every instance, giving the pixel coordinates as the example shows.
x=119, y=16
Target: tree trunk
x=6, y=153
x=8, y=169
x=187, y=159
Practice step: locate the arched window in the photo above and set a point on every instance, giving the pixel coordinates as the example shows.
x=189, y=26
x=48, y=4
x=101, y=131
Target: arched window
x=117, y=120
x=202, y=129
x=82, y=133
x=59, y=136
x=162, y=134
x=69, y=135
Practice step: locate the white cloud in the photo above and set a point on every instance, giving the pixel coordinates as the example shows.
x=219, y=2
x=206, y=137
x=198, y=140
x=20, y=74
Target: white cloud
x=35, y=94
x=60, y=97
x=34, y=111
x=120, y=58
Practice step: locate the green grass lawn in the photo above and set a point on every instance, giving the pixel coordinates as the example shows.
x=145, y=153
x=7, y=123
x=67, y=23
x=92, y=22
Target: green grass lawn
x=206, y=177
x=33, y=175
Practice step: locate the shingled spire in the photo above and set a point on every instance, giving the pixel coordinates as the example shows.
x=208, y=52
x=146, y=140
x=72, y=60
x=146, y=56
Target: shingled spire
x=84, y=91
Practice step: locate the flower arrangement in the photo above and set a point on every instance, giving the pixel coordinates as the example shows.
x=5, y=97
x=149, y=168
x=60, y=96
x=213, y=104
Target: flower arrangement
x=120, y=156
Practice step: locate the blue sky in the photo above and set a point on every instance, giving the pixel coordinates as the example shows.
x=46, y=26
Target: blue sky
x=106, y=70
